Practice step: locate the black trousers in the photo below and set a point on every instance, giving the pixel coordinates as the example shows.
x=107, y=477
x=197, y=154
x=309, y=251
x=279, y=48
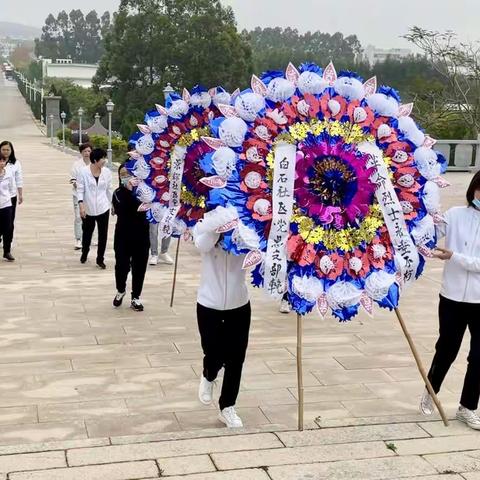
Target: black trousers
x=88, y=226
x=5, y=228
x=134, y=257
x=454, y=318
x=8, y=234
x=224, y=335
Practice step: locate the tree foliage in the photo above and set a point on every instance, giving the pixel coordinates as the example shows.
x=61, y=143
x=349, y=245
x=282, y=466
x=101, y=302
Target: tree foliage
x=74, y=36
x=185, y=42
x=274, y=48
x=458, y=66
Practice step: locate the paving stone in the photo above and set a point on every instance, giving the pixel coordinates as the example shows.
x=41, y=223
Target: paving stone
x=438, y=429
x=351, y=434
x=131, y=425
x=287, y=456
x=114, y=471
x=247, y=474
x=425, y=446
x=41, y=432
x=67, y=411
x=186, y=465
x=32, y=461
x=141, y=451
x=18, y=415
x=371, y=469
x=51, y=446
x=457, y=462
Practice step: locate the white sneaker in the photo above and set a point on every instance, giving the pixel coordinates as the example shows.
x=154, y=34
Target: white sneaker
x=230, y=418
x=205, y=391
x=285, y=307
x=469, y=417
x=78, y=245
x=165, y=258
x=153, y=260
x=95, y=243
x=117, y=301
x=426, y=403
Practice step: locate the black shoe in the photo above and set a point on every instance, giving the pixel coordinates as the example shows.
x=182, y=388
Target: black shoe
x=117, y=301
x=136, y=305
x=9, y=257
x=83, y=258
x=101, y=265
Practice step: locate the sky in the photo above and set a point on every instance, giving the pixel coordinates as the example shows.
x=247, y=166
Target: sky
x=377, y=22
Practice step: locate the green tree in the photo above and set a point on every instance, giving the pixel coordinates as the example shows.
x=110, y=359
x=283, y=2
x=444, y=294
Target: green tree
x=74, y=36
x=185, y=42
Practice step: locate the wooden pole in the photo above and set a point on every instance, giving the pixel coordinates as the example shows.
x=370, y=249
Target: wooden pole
x=174, y=283
x=421, y=368
x=300, y=370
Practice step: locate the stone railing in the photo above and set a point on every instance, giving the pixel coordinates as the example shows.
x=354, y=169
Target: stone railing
x=462, y=155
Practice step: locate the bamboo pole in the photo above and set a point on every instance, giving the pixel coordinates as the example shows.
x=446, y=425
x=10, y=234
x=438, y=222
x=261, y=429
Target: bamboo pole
x=300, y=370
x=421, y=368
x=175, y=270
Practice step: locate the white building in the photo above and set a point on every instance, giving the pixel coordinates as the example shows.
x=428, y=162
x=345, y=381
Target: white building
x=79, y=73
x=377, y=55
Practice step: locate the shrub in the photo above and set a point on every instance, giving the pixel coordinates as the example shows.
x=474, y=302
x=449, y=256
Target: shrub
x=119, y=146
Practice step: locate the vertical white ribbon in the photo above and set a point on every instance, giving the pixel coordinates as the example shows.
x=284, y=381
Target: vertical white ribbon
x=406, y=253
x=177, y=165
x=282, y=207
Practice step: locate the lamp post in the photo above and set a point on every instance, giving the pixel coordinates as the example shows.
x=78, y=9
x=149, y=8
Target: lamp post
x=63, y=116
x=110, y=107
x=80, y=115
x=51, y=128
x=168, y=90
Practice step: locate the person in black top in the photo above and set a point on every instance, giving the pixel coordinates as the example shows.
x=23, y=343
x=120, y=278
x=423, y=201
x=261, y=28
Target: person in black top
x=131, y=241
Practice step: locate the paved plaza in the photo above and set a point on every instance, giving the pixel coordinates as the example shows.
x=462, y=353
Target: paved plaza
x=89, y=392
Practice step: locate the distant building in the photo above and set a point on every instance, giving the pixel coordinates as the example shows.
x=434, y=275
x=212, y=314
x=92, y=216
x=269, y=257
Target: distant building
x=377, y=55
x=7, y=46
x=79, y=73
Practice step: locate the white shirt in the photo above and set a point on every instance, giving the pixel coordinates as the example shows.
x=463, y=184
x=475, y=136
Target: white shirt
x=76, y=168
x=7, y=188
x=222, y=283
x=17, y=174
x=96, y=196
x=461, y=275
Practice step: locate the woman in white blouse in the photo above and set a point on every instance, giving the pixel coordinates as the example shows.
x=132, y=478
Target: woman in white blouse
x=94, y=193
x=15, y=168
x=459, y=307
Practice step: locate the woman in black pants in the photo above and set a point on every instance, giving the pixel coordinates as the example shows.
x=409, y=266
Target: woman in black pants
x=223, y=314
x=131, y=241
x=459, y=306
x=13, y=165
x=94, y=193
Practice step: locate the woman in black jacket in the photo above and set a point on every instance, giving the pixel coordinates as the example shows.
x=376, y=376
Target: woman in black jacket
x=131, y=241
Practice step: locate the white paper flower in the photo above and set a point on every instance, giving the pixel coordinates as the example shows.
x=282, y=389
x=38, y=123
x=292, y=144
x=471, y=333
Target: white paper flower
x=232, y=131
x=280, y=90
x=248, y=105
x=145, y=145
x=224, y=161
x=311, y=82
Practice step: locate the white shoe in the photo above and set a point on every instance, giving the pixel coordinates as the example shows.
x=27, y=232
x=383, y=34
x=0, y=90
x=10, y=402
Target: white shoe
x=78, y=245
x=426, y=403
x=95, y=243
x=469, y=417
x=230, y=418
x=117, y=301
x=285, y=307
x=153, y=260
x=165, y=258
x=205, y=391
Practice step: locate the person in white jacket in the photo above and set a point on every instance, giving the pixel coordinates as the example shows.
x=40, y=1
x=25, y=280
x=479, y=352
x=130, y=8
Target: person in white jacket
x=223, y=314
x=85, y=151
x=14, y=166
x=94, y=193
x=7, y=188
x=459, y=306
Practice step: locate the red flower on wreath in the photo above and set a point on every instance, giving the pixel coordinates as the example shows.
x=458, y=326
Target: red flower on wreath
x=253, y=178
x=379, y=251
x=327, y=111
x=261, y=206
x=357, y=264
x=329, y=265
